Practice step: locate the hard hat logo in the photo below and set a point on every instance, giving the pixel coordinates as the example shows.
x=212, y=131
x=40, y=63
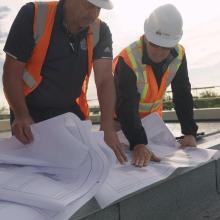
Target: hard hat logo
x=160, y=33
x=164, y=26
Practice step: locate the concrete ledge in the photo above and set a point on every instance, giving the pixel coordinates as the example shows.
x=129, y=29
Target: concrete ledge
x=4, y=125
x=205, y=114
x=95, y=118
x=183, y=196
x=188, y=194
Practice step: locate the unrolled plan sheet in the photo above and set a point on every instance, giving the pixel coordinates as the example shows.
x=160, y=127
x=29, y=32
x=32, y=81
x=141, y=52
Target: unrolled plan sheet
x=52, y=146
x=10, y=210
x=66, y=180
x=109, y=156
x=126, y=179
x=189, y=156
x=158, y=135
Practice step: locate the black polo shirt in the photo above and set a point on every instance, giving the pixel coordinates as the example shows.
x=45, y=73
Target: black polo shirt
x=128, y=97
x=65, y=66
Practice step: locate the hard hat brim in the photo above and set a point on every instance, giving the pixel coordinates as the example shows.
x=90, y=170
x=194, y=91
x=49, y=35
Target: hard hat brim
x=102, y=4
x=162, y=41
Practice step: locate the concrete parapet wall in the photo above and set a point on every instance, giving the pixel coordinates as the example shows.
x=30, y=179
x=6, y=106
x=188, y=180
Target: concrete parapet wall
x=188, y=194
x=205, y=114
x=4, y=125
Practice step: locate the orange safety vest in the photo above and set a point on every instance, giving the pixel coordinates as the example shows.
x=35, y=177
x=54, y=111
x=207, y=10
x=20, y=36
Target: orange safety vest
x=44, y=17
x=151, y=99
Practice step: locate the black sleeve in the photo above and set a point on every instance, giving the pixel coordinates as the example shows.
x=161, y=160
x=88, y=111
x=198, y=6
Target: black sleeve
x=104, y=47
x=183, y=100
x=20, y=41
x=127, y=104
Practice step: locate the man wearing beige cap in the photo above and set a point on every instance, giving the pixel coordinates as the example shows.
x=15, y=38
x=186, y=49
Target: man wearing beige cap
x=50, y=51
x=143, y=71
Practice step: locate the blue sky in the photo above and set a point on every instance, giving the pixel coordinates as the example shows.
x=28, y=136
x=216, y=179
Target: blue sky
x=201, y=32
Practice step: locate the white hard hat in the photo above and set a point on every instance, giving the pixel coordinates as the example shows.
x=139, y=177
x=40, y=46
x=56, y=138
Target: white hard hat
x=106, y=4
x=164, y=26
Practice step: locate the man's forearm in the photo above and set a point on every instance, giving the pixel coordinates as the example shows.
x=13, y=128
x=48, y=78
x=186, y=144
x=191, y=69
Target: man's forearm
x=183, y=101
x=13, y=87
x=184, y=111
x=16, y=98
x=127, y=104
x=106, y=96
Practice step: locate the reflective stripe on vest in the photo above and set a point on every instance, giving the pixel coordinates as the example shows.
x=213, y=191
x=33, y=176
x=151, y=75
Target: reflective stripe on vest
x=44, y=12
x=134, y=51
x=92, y=40
x=132, y=55
x=44, y=17
x=41, y=10
x=175, y=64
x=148, y=107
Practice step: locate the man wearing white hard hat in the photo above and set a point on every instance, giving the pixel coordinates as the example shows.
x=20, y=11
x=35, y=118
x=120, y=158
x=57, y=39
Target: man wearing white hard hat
x=50, y=51
x=143, y=71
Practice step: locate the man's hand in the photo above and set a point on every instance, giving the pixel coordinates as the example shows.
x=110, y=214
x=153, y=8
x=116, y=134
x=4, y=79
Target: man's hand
x=112, y=141
x=106, y=96
x=142, y=155
x=21, y=129
x=13, y=87
x=188, y=141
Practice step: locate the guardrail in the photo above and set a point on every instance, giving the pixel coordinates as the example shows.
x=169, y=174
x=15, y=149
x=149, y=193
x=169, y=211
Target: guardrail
x=204, y=114
x=5, y=125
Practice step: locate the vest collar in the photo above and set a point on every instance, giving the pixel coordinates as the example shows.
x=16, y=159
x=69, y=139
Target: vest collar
x=59, y=13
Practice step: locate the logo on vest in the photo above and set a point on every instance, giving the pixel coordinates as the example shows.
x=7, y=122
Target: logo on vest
x=83, y=44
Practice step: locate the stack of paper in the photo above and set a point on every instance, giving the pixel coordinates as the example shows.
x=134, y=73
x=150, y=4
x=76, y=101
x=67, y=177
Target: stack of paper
x=57, y=173
x=67, y=164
